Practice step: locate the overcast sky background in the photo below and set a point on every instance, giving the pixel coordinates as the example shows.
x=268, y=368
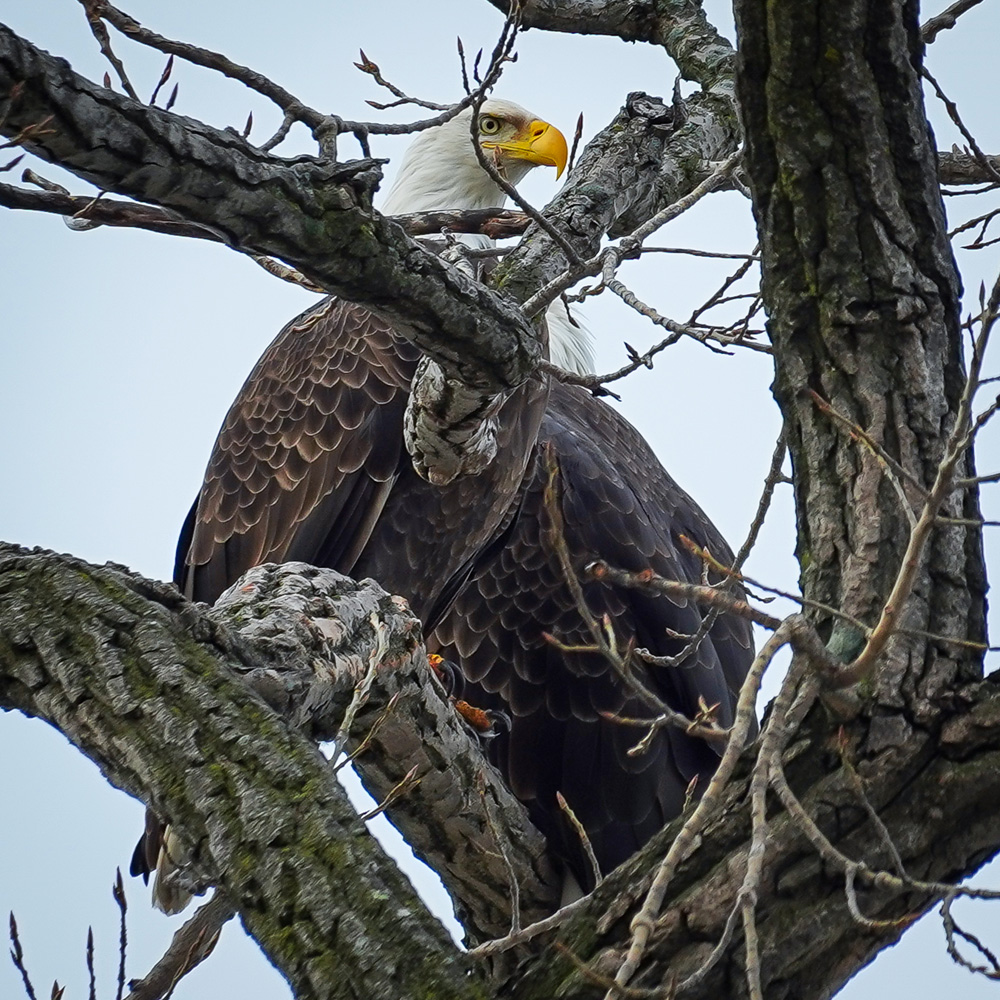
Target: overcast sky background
x=120, y=352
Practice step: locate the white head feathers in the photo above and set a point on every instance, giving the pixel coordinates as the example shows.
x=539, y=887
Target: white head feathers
x=440, y=171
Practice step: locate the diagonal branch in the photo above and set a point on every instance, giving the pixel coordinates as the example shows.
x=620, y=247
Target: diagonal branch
x=143, y=683
x=191, y=945
x=310, y=213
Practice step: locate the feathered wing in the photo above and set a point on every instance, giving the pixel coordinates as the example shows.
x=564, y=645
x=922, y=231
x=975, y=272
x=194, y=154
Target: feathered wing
x=308, y=452
x=619, y=505
x=310, y=465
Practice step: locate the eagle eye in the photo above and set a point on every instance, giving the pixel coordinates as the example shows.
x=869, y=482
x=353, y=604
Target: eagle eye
x=489, y=125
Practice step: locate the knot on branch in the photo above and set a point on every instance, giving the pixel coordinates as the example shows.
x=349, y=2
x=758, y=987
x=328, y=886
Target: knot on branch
x=295, y=614
x=450, y=428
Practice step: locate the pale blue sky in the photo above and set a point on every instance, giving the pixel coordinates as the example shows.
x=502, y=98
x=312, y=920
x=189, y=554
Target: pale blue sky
x=120, y=352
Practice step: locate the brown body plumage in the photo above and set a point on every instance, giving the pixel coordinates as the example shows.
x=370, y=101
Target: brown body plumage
x=618, y=504
x=310, y=466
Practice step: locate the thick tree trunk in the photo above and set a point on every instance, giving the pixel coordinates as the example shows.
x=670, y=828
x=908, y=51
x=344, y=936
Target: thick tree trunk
x=863, y=300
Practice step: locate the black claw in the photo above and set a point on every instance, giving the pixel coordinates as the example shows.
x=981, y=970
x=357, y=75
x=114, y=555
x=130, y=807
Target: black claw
x=447, y=673
x=500, y=722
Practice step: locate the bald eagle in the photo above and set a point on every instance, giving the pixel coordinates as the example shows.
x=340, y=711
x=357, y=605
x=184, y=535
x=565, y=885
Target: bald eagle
x=309, y=465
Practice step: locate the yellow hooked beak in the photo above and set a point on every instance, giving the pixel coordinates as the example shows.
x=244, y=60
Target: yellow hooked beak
x=539, y=143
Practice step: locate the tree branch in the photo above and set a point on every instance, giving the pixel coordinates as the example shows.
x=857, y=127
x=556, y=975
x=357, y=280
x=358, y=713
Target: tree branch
x=311, y=213
x=497, y=223
x=139, y=680
x=680, y=26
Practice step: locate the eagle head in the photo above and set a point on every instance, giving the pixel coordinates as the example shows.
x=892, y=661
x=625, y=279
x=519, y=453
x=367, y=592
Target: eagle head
x=440, y=170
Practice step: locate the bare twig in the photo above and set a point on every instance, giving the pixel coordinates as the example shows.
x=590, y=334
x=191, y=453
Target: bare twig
x=601, y=632
x=719, y=295
x=869, y=923
x=715, y=180
x=319, y=124
x=101, y=211
x=33, y=131
x=774, y=476
x=891, y=469
x=857, y=786
x=694, y=642
x=628, y=245
x=497, y=223
x=91, y=975
x=709, y=254
x=955, y=449
x=118, y=892
x=530, y=932
x=164, y=77
x=889, y=465
x=286, y=273
x=581, y=832
x=645, y=920
x=701, y=593
x=751, y=582
x=371, y=734
x=465, y=71
x=94, y=15
x=367, y=66
x=190, y=946
x=408, y=781
x=747, y=895
x=362, y=689
x=577, y=136
x=55, y=199
x=933, y=26
x=952, y=109
x=985, y=219
x=287, y=121
x=702, y=334
x=748, y=909
x=515, y=888
x=17, y=956
x=717, y=952
x=952, y=929
x=831, y=855
x=324, y=128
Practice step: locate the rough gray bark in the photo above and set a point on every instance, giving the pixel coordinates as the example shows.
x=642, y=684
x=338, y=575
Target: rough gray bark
x=315, y=629
x=680, y=26
x=137, y=679
x=303, y=639
x=862, y=300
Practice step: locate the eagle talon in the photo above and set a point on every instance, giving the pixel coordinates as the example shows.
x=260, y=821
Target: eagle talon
x=486, y=723
x=445, y=671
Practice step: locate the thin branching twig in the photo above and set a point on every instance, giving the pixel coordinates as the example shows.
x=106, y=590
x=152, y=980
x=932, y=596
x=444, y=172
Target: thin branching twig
x=581, y=832
x=17, y=956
